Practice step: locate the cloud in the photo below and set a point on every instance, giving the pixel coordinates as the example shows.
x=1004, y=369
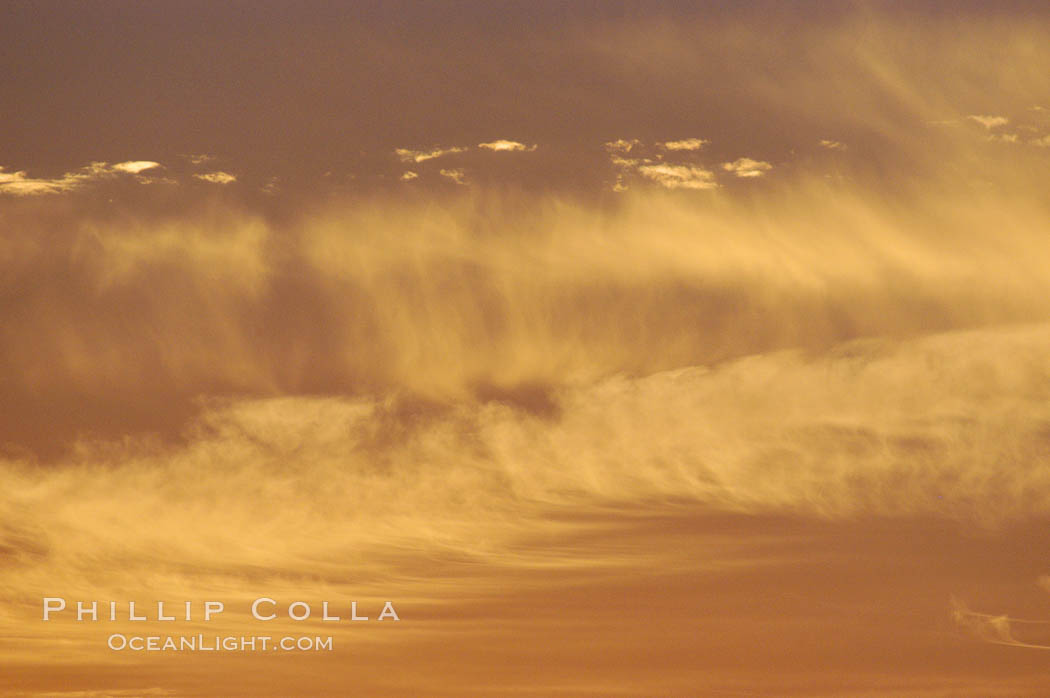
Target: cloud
x=456, y=175
x=989, y=122
x=408, y=176
x=1043, y=142
x=679, y=176
x=407, y=155
x=996, y=629
x=622, y=145
x=685, y=144
x=323, y=483
x=509, y=374
x=832, y=145
x=135, y=166
x=665, y=267
x=502, y=371
x=218, y=177
x=507, y=146
x=20, y=184
x=628, y=163
x=746, y=167
x=633, y=157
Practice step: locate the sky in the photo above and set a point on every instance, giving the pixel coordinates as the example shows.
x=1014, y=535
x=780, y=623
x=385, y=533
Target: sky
x=632, y=349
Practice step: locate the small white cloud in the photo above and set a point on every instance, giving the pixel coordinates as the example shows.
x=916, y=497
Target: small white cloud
x=621, y=145
x=746, y=167
x=408, y=176
x=199, y=159
x=989, y=122
x=407, y=155
x=219, y=177
x=507, y=146
x=833, y=145
x=1004, y=138
x=455, y=175
x=135, y=166
x=679, y=176
x=1043, y=142
x=685, y=144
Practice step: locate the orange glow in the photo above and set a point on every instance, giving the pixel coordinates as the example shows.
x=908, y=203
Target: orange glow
x=582, y=356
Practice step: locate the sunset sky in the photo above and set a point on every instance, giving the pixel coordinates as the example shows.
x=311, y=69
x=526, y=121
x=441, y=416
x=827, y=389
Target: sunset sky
x=628, y=349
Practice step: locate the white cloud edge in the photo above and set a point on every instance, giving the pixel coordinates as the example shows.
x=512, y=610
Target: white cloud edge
x=504, y=145
x=217, y=177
